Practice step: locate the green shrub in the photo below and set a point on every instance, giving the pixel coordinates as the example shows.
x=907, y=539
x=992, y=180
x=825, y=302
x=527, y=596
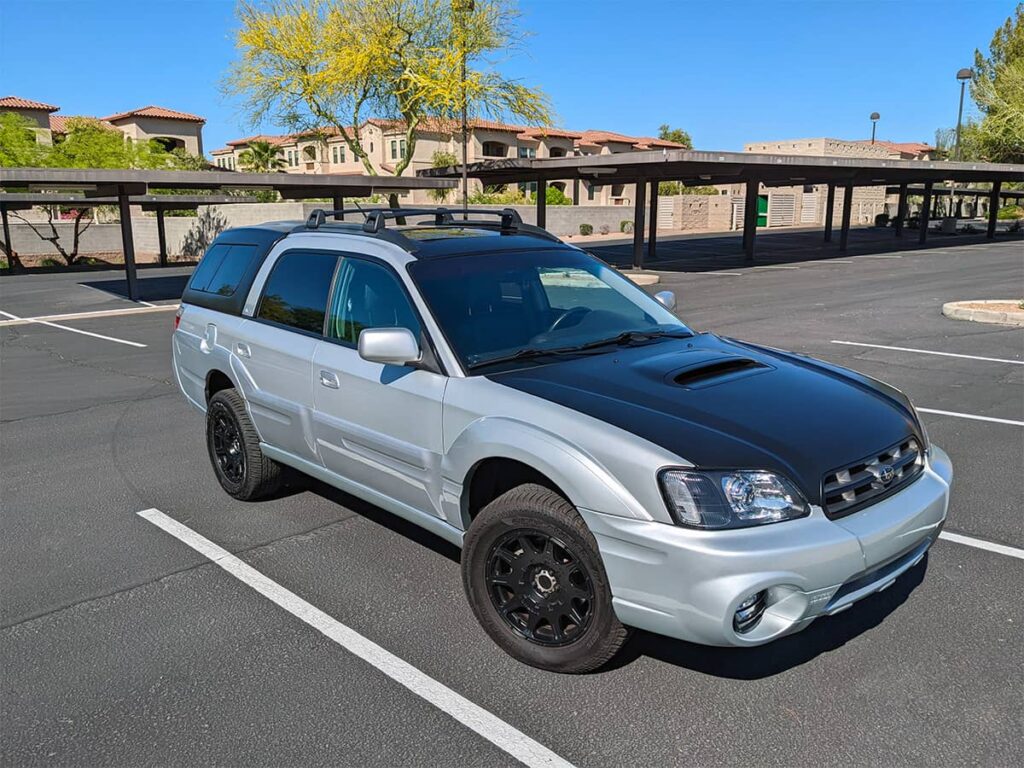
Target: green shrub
x=48, y=262
x=586, y=229
x=1010, y=212
x=626, y=226
x=3, y=262
x=555, y=196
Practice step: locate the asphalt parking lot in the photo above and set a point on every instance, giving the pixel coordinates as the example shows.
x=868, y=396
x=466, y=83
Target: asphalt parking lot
x=122, y=645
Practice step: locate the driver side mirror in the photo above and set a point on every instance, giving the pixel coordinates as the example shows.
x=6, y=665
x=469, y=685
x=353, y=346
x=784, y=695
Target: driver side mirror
x=667, y=299
x=390, y=346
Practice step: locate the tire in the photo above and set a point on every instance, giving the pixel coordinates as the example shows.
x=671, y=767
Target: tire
x=534, y=578
x=234, y=448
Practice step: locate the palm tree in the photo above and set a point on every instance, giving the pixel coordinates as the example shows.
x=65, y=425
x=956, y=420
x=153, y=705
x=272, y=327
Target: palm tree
x=261, y=157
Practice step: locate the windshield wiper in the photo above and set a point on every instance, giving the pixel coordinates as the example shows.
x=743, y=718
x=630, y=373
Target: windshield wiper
x=627, y=337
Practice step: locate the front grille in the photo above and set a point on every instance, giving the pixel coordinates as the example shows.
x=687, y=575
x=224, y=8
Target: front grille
x=846, y=490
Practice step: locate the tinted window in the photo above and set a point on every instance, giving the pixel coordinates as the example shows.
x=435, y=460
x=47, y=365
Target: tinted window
x=367, y=295
x=296, y=291
x=222, y=268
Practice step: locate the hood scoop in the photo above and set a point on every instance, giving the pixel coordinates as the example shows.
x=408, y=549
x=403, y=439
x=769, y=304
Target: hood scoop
x=708, y=372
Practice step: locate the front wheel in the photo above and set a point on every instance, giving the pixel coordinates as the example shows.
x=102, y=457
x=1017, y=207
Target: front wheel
x=535, y=580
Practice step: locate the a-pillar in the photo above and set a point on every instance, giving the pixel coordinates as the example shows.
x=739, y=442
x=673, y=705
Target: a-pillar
x=926, y=212
x=161, y=235
x=542, y=203
x=652, y=223
x=750, y=218
x=901, y=211
x=638, y=224
x=830, y=209
x=844, y=232
x=127, y=242
x=993, y=211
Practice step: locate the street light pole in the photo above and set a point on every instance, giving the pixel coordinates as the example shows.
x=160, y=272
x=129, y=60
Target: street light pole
x=462, y=8
x=964, y=75
x=874, y=122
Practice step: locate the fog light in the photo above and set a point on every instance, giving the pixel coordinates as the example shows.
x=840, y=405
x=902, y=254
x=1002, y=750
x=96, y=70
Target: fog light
x=749, y=612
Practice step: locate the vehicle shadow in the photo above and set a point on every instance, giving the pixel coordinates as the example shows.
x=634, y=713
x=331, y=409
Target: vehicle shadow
x=822, y=636
x=377, y=515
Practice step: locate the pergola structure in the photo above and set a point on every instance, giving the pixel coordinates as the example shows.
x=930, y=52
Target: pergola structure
x=695, y=168
x=128, y=187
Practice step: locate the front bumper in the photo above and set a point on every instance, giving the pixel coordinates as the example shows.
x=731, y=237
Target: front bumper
x=687, y=583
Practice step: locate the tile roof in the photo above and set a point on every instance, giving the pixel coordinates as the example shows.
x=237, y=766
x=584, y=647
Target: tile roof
x=223, y=151
x=14, y=102
x=158, y=112
x=275, y=140
x=59, y=123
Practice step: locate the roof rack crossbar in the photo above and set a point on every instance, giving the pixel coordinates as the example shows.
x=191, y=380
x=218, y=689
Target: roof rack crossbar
x=374, y=220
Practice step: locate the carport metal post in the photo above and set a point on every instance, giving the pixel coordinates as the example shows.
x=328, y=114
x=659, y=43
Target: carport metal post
x=993, y=211
x=8, y=247
x=926, y=212
x=638, y=223
x=830, y=209
x=750, y=218
x=652, y=222
x=161, y=235
x=338, y=202
x=127, y=241
x=844, y=233
x=901, y=211
x=542, y=203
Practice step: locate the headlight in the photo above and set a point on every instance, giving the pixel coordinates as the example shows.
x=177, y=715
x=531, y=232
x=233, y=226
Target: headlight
x=924, y=431
x=730, y=499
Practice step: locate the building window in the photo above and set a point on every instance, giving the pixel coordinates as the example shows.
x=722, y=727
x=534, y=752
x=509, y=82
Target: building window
x=591, y=190
x=494, y=149
x=334, y=154
x=394, y=149
x=401, y=146
x=526, y=152
x=556, y=152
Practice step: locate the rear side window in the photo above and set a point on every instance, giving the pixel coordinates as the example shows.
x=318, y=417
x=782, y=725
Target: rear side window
x=296, y=291
x=222, y=268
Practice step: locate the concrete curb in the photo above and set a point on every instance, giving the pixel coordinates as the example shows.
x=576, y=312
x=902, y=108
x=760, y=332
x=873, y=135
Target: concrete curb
x=643, y=278
x=956, y=310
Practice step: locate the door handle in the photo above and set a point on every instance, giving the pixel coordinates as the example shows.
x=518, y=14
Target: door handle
x=328, y=379
x=242, y=350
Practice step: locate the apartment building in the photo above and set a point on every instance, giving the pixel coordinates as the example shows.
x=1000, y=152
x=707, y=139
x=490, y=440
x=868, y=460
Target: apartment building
x=386, y=145
x=169, y=127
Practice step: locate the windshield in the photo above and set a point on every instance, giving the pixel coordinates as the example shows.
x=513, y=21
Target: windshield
x=502, y=306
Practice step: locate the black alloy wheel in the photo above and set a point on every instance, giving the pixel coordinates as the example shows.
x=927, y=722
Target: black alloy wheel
x=539, y=587
x=227, y=443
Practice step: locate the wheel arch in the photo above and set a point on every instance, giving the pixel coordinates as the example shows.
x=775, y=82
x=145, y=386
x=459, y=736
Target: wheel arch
x=492, y=446
x=217, y=380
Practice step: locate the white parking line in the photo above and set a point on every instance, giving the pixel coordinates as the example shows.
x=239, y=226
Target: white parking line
x=1002, y=549
x=720, y=274
x=87, y=315
x=73, y=330
x=972, y=416
x=775, y=266
x=476, y=718
x=929, y=352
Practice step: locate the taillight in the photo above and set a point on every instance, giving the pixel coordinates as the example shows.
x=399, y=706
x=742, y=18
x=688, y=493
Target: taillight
x=177, y=317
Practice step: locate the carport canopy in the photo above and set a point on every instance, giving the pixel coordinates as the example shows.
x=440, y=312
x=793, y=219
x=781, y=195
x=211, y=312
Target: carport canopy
x=125, y=187
x=693, y=167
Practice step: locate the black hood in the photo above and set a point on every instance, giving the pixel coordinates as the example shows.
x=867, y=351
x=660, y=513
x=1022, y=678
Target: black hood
x=725, y=404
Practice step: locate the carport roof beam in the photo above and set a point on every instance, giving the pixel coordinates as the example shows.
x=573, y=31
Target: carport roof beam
x=729, y=168
x=99, y=182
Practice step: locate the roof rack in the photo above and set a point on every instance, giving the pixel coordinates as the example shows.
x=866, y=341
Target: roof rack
x=375, y=219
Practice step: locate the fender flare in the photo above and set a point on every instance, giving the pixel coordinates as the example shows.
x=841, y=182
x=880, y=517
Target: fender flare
x=586, y=483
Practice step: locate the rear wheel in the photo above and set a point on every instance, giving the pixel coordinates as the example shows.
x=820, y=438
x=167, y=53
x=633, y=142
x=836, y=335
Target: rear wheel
x=535, y=581
x=234, y=448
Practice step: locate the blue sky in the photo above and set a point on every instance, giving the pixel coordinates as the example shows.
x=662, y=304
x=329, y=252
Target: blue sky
x=727, y=71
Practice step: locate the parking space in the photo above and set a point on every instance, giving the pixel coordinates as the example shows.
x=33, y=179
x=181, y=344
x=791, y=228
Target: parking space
x=122, y=644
